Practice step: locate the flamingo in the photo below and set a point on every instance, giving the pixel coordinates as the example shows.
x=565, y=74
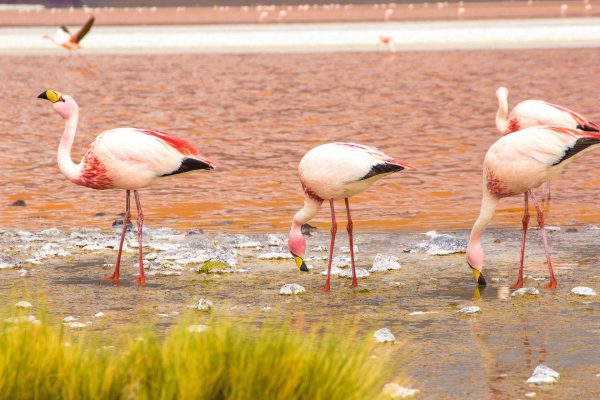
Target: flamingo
x=516, y=164
x=388, y=41
x=69, y=41
x=122, y=158
x=530, y=113
x=336, y=171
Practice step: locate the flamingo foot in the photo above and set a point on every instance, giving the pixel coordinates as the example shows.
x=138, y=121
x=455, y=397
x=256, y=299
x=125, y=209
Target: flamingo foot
x=518, y=284
x=141, y=281
x=354, y=283
x=114, y=278
x=551, y=285
x=325, y=288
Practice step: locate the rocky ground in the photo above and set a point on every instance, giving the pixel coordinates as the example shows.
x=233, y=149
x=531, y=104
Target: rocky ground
x=463, y=344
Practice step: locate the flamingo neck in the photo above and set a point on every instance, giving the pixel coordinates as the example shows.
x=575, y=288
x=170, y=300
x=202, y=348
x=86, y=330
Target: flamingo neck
x=486, y=214
x=296, y=241
x=65, y=164
x=502, y=113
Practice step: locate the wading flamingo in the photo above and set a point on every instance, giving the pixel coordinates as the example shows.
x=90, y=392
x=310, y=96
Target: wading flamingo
x=122, y=158
x=516, y=164
x=530, y=113
x=331, y=172
x=65, y=39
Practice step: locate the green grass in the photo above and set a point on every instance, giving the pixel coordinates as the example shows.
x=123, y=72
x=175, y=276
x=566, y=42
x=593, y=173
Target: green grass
x=225, y=362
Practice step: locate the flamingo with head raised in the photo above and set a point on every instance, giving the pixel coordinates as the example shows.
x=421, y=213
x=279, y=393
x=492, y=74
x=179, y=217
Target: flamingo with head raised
x=122, y=158
x=331, y=172
x=69, y=41
x=516, y=164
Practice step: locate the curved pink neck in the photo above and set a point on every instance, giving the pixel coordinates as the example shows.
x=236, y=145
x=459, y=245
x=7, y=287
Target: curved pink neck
x=296, y=241
x=65, y=164
x=486, y=214
x=502, y=113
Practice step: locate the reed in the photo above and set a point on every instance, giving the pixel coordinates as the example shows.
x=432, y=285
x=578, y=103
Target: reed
x=43, y=361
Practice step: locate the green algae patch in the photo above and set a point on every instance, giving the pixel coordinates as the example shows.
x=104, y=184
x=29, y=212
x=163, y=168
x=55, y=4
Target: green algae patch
x=211, y=267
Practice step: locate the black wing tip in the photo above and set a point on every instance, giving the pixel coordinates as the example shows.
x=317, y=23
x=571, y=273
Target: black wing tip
x=587, y=128
x=383, y=168
x=190, y=164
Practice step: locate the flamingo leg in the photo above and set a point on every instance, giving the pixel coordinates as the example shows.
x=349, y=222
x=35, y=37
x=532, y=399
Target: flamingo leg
x=519, y=282
x=540, y=215
x=140, y=221
x=546, y=195
x=349, y=228
x=333, y=232
x=126, y=219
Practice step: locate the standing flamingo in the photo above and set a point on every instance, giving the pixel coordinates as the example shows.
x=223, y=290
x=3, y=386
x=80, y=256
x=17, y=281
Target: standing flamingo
x=516, y=164
x=336, y=171
x=530, y=113
x=69, y=41
x=122, y=158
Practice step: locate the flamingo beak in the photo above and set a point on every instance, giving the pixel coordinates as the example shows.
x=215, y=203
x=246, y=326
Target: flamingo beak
x=51, y=95
x=301, y=264
x=479, y=279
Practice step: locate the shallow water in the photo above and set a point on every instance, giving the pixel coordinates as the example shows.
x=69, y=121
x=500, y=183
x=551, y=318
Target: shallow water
x=258, y=114
x=488, y=355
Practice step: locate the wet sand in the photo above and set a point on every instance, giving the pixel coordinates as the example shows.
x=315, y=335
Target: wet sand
x=488, y=355
x=258, y=114
x=417, y=11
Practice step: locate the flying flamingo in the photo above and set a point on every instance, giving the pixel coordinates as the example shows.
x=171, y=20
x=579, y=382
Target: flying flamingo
x=530, y=113
x=122, y=158
x=330, y=172
x=388, y=41
x=516, y=164
x=65, y=39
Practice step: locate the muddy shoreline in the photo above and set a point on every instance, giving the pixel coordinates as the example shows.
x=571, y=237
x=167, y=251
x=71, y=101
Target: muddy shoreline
x=486, y=355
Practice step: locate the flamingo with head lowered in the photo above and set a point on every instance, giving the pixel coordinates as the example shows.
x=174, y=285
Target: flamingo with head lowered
x=530, y=113
x=122, y=158
x=516, y=164
x=69, y=41
x=331, y=172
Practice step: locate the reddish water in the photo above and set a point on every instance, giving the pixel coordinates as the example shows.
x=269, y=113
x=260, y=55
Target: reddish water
x=258, y=114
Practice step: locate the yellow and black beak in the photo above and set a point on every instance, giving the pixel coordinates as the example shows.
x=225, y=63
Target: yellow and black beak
x=301, y=264
x=52, y=95
x=479, y=279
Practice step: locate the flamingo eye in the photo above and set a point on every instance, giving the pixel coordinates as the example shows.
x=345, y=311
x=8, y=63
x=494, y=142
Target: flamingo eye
x=62, y=99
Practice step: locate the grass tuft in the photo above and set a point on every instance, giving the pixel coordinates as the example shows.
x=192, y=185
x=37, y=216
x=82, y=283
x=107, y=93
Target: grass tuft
x=224, y=362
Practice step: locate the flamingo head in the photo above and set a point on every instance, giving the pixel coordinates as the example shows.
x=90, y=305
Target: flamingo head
x=297, y=246
x=475, y=261
x=501, y=93
x=65, y=106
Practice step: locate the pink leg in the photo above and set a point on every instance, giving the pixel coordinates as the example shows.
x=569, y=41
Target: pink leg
x=333, y=232
x=519, y=282
x=126, y=219
x=349, y=228
x=540, y=215
x=140, y=221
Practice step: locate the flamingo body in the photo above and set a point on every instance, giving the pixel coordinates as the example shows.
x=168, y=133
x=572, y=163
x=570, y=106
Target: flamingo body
x=65, y=39
x=123, y=158
x=531, y=113
x=516, y=164
x=330, y=172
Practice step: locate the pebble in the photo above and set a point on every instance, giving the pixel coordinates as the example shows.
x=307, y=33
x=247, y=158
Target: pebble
x=441, y=245
x=248, y=245
x=583, y=291
x=543, y=374
x=347, y=273
x=23, y=304
x=197, y=328
x=383, y=263
x=530, y=395
x=384, y=335
x=395, y=391
x=99, y=314
x=423, y=312
x=76, y=325
x=529, y=291
x=23, y=318
x=275, y=256
x=274, y=240
x=346, y=249
x=8, y=262
x=203, y=305
x=18, y=203
x=340, y=261
x=470, y=310
x=23, y=272
x=70, y=318
x=291, y=288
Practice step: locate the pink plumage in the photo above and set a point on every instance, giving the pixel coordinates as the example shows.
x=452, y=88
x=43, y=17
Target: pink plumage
x=123, y=158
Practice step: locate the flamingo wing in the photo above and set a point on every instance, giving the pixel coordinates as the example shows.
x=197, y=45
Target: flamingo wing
x=381, y=163
x=83, y=30
x=583, y=123
x=580, y=142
